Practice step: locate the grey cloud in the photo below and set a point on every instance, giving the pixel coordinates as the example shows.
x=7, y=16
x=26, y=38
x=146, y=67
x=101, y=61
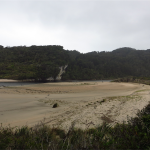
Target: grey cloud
x=81, y=25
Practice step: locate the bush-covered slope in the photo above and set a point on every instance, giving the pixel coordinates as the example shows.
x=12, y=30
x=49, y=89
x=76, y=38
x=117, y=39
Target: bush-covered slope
x=42, y=62
x=35, y=62
x=107, y=65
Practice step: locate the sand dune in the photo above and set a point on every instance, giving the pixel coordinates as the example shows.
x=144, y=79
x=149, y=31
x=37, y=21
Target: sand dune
x=86, y=103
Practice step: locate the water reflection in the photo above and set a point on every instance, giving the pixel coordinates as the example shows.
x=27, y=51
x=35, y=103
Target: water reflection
x=8, y=84
x=5, y=84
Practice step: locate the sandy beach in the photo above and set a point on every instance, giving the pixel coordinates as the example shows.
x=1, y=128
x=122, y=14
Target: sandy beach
x=87, y=104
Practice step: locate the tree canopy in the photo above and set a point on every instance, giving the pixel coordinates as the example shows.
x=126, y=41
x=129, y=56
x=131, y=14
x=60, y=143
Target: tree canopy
x=107, y=65
x=42, y=62
x=35, y=62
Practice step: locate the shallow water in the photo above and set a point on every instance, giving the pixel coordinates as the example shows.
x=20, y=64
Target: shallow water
x=91, y=80
x=2, y=84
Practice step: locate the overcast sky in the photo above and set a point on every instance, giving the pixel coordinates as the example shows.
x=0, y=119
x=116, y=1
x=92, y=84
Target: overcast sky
x=82, y=25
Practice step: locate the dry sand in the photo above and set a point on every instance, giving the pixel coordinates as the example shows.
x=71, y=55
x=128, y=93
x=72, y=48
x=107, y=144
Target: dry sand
x=87, y=104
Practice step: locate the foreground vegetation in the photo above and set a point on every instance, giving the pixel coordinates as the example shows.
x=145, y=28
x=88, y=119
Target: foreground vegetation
x=132, y=135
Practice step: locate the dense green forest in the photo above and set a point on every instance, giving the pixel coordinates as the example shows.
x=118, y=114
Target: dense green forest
x=121, y=62
x=35, y=62
x=42, y=62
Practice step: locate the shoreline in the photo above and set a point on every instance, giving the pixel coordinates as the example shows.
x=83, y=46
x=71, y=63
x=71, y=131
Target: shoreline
x=49, y=81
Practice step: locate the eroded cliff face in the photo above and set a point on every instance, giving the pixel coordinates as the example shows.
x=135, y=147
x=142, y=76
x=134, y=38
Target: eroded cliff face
x=62, y=70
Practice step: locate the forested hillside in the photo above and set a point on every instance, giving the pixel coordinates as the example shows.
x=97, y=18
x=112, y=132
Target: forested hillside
x=108, y=65
x=35, y=62
x=42, y=62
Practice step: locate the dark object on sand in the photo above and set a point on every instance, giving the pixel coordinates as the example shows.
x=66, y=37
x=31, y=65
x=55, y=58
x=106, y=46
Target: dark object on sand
x=55, y=105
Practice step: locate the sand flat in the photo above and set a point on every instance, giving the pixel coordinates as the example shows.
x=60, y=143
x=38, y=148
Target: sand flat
x=78, y=101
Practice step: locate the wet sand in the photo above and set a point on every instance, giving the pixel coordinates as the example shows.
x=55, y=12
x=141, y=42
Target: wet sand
x=88, y=104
